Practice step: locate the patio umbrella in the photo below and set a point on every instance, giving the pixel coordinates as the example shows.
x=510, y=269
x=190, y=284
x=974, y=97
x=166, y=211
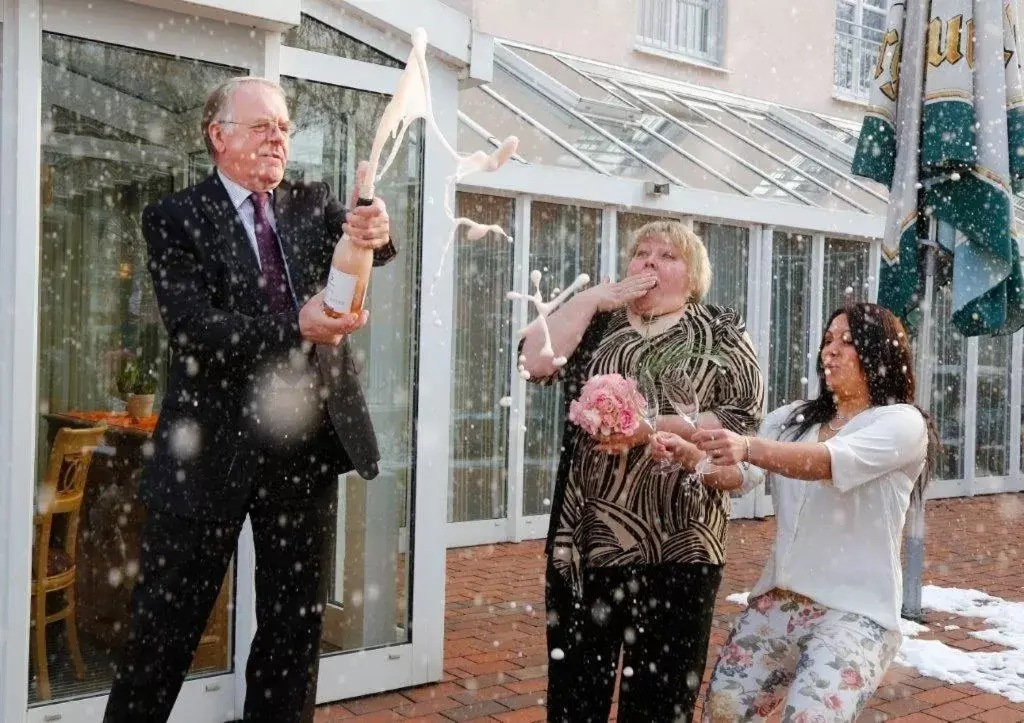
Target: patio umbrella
x=945, y=131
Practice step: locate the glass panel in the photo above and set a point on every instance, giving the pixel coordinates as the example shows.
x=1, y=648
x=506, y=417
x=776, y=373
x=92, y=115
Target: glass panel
x=576, y=82
x=847, y=266
x=791, y=319
x=948, y=388
x=728, y=251
x=565, y=241
x=120, y=130
x=534, y=146
x=992, y=453
x=620, y=163
x=817, y=190
x=319, y=37
x=562, y=123
x=334, y=128
x=480, y=378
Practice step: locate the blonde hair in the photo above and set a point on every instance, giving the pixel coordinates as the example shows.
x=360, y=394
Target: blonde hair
x=218, y=103
x=690, y=247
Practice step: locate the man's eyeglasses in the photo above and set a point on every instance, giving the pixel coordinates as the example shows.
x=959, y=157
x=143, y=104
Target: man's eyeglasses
x=265, y=127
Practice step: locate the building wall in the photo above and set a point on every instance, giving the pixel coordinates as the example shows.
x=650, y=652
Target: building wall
x=774, y=49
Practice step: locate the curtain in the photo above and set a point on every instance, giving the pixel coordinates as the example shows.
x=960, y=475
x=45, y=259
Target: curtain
x=482, y=363
x=565, y=241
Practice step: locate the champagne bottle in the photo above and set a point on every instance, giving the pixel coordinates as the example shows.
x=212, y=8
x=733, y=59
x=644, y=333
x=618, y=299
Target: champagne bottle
x=349, y=275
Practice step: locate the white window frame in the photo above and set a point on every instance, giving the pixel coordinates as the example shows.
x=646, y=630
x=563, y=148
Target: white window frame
x=660, y=31
x=859, y=44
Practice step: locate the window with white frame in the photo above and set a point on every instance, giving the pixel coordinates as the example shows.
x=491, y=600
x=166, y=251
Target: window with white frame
x=860, y=25
x=688, y=28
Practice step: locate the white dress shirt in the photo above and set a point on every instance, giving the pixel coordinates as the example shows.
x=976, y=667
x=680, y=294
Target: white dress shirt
x=839, y=543
x=242, y=198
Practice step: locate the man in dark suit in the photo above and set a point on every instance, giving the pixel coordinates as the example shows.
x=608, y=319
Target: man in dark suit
x=263, y=411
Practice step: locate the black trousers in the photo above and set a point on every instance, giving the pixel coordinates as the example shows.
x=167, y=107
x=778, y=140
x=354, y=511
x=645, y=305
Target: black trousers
x=658, y=617
x=182, y=565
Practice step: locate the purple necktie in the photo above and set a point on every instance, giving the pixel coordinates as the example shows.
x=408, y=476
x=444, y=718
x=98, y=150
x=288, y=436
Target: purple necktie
x=279, y=296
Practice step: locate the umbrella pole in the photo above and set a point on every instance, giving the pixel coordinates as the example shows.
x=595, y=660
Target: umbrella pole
x=914, y=546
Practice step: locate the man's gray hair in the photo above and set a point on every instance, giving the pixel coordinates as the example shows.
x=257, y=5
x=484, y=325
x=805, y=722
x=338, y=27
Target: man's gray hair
x=218, y=103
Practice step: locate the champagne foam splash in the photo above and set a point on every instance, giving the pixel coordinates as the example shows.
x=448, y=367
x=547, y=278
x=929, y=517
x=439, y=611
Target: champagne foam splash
x=544, y=309
x=411, y=102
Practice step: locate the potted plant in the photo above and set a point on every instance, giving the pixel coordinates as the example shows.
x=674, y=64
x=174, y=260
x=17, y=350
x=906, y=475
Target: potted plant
x=137, y=384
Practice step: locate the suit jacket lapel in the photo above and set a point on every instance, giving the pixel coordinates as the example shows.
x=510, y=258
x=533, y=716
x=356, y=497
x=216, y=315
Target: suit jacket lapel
x=221, y=211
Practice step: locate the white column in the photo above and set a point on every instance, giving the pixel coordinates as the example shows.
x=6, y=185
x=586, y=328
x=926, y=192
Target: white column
x=433, y=423
x=609, y=243
x=517, y=385
x=817, y=312
x=971, y=415
x=874, y=269
x=19, y=315
x=763, y=502
x=1016, y=480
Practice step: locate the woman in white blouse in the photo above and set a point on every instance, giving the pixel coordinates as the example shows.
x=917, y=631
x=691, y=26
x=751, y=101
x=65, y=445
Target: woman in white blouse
x=822, y=623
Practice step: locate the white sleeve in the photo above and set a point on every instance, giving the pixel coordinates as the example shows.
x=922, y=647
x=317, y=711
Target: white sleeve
x=771, y=428
x=895, y=438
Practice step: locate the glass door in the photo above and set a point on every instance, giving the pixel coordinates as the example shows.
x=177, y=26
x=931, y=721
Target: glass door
x=370, y=629
x=119, y=131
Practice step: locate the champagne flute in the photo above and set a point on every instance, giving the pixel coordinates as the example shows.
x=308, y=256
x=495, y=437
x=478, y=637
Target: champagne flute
x=649, y=389
x=682, y=396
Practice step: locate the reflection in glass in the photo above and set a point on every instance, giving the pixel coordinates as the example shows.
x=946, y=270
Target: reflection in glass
x=534, y=145
x=319, y=37
x=949, y=388
x=368, y=602
x=847, y=267
x=482, y=363
x=120, y=130
x=728, y=251
x=791, y=317
x=564, y=242
x=992, y=444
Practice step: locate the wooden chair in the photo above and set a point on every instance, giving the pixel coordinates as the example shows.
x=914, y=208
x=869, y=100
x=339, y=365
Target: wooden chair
x=53, y=557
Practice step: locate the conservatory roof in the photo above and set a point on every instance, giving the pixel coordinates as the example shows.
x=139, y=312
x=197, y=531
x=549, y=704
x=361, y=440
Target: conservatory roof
x=582, y=114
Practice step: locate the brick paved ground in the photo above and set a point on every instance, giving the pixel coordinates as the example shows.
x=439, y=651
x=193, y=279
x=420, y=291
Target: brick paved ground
x=494, y=641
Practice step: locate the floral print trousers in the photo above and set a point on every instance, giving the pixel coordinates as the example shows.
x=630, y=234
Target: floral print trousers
x=821, y=664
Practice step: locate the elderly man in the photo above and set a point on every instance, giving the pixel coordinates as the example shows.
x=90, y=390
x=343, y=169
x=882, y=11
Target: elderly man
x=263, y=410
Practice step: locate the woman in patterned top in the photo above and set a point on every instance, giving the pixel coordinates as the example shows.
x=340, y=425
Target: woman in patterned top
x=635, y=557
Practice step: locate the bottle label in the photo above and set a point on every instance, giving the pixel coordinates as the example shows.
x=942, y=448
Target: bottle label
x=340, y=291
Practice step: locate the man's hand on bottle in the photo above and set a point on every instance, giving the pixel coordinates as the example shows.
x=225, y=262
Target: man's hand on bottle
x=319, y=328
x=368, y=226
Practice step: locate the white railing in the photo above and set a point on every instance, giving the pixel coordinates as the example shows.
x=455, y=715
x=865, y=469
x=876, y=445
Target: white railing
x=690, y=28
x=856, y=51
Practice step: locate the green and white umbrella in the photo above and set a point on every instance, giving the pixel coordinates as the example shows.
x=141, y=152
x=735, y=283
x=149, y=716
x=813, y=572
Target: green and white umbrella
x=945, y=132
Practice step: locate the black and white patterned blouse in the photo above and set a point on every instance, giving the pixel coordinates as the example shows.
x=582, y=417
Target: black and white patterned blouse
x=612, y=510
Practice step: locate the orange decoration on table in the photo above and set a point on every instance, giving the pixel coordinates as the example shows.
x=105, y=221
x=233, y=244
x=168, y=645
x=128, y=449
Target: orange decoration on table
x=118, y=419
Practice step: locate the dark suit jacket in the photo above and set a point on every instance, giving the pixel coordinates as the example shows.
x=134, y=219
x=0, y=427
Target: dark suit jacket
x=223, y=341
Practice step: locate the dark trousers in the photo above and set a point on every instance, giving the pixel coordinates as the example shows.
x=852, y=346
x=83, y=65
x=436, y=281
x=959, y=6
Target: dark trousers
x=182, y=565
x=659, y=618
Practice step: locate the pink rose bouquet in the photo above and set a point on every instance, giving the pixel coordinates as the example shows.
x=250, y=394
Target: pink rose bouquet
x=608, y=404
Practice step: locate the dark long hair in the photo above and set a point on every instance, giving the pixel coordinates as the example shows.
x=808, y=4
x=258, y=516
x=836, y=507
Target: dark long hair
x=883, y=349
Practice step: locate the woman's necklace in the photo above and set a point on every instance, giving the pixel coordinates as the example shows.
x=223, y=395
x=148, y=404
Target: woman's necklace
x=837, y=418
x=843, y=419
x=648, y=321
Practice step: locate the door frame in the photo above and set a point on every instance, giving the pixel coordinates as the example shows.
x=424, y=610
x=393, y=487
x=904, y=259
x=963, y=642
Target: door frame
x=367, y=671
x=214, y=698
